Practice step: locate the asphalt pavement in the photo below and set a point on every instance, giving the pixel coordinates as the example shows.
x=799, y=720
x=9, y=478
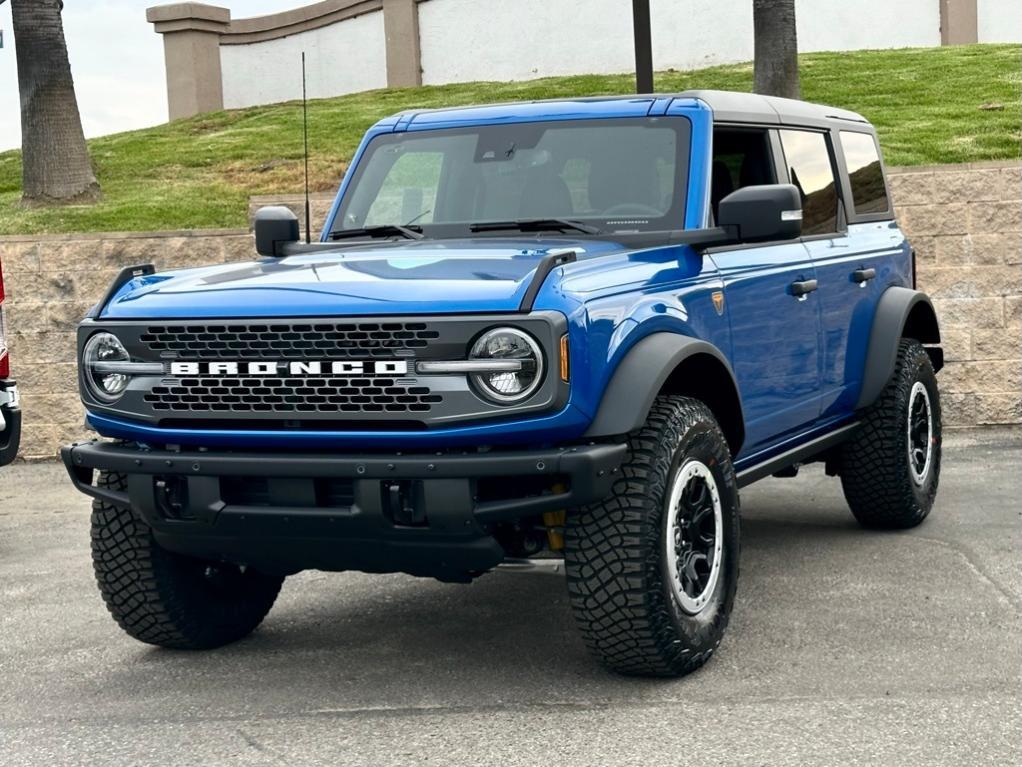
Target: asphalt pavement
x=846, y=647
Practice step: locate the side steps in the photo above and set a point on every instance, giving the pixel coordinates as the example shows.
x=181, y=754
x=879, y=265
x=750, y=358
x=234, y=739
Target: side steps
x=787, y=461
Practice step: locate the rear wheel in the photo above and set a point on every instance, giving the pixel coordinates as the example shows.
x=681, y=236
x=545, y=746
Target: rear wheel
x=891, y=467
x=652, y=569
x=167, y=599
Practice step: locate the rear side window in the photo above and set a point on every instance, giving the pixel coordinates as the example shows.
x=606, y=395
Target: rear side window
x=869, y=193
x=807, y=157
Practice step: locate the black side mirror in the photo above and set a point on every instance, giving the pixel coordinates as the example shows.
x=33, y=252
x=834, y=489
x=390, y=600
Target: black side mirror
x=275, y=226
x=763, y=213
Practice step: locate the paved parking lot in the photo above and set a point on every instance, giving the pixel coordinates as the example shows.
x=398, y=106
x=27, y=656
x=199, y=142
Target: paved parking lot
x=846, y=647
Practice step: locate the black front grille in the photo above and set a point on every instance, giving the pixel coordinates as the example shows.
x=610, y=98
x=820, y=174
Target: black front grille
x=314, y=373
x=292, y=395
x=330, y=340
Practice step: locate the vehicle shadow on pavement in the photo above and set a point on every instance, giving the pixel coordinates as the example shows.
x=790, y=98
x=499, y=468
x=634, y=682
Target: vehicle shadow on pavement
x=819, y=601
x=502, y=632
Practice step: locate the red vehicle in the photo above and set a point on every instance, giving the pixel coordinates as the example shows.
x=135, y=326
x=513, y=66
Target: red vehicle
x=10, y=412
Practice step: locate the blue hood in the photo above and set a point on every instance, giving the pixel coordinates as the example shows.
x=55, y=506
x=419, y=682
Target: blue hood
x=421, y=277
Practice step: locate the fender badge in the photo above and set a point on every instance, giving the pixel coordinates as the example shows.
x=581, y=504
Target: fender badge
x=718, y=301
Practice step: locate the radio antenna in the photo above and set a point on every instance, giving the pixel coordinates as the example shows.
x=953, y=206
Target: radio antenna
x=305, y=137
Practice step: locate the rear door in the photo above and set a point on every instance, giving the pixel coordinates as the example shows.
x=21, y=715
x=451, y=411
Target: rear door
x=878, y=249
x=775, y=354
x=847, y=261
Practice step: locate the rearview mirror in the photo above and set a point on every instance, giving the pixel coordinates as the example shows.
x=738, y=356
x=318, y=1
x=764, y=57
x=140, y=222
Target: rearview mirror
x=275, y=226
x=763, y=213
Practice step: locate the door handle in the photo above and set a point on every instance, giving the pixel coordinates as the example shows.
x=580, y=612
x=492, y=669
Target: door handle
x=802, y=289
x=861, y=276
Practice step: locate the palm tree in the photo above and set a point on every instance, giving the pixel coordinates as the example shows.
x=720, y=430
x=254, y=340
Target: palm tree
x=775, y=72
x=55, y=159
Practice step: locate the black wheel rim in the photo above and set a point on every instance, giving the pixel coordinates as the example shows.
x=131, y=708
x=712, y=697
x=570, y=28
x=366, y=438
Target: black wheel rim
x=920, y=432
x=695, y=534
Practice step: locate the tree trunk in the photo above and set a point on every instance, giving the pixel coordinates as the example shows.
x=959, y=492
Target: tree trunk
x=56, y=165
x=776, y=48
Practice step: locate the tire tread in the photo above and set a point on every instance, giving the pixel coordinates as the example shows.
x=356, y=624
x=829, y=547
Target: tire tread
x=615, y=593
x=142, y=587
x=874, y=463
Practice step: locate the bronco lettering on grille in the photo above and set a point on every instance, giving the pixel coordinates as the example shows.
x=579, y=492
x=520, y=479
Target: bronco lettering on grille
x=335, y=368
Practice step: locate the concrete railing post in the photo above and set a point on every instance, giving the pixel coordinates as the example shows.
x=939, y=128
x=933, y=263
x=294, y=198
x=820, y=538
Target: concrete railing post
x=958, y=22
x=401, y=27
x=191, y=46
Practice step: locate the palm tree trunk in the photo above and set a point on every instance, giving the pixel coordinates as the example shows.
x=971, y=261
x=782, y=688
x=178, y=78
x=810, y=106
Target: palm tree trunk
x=776, y=48
x=56, y=165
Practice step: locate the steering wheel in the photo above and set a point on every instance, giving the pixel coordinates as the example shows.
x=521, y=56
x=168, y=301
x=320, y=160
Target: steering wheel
x=632, y=209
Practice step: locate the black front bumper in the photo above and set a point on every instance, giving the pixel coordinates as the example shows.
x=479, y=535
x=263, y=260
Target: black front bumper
x=425, y=514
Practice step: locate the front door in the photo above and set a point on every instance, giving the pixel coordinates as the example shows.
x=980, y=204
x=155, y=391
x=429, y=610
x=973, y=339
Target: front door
x=775, y=319
x=773, y=309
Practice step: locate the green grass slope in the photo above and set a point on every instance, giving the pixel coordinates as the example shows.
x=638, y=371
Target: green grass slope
x=939, y=105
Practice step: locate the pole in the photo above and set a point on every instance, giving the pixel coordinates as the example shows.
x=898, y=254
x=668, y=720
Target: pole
x=643, y=46
x=305, y=137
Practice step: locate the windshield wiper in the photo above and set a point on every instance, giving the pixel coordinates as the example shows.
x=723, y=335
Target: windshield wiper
x=383, y=230
x=535, y=225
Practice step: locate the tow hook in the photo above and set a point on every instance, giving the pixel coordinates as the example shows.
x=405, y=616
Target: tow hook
x=172, y=497
x=400, y=502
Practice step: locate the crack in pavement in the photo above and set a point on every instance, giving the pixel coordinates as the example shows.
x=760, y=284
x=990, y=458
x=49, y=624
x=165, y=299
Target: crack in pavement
x=263, y=749
x=1007, y=697
x=977, y=568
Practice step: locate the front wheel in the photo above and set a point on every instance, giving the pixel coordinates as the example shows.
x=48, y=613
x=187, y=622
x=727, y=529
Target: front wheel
x=652, y=569
x=167, y=599
x=891, y=467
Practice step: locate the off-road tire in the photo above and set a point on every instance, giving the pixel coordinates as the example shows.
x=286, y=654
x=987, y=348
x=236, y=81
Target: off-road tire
x=617, y=571
x=167, y=599
x=875, y=465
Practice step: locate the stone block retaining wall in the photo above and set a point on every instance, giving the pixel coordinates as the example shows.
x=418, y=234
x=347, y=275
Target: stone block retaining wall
x=965, y=222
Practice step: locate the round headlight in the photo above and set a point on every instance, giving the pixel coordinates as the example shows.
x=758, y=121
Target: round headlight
x=508, y=344
x=104, y=347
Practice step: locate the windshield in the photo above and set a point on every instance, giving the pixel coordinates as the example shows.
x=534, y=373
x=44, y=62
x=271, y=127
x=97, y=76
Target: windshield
x=614, y=175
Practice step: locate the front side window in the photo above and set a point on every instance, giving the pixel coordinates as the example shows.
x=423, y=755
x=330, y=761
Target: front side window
x=617, y=175
x=869, y=193
x=741, y=157
x=807, y=156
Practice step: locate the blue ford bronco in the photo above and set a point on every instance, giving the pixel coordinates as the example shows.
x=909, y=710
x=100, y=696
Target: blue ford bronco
x=556, y=335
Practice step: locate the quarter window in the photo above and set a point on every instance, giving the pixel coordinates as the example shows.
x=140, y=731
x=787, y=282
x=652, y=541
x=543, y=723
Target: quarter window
x=807, y=156
x=869, y=193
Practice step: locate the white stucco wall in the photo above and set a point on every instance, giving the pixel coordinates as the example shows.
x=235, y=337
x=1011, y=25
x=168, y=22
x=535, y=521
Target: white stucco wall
x=342, y=58
x=472, y=40
x=463, y=40
x=534, y=38
x=999, y=21
x=837, y=25
x=689, y=34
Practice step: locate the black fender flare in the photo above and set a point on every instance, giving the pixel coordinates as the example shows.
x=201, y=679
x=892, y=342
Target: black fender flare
x=899, y=310
x=640, y=377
